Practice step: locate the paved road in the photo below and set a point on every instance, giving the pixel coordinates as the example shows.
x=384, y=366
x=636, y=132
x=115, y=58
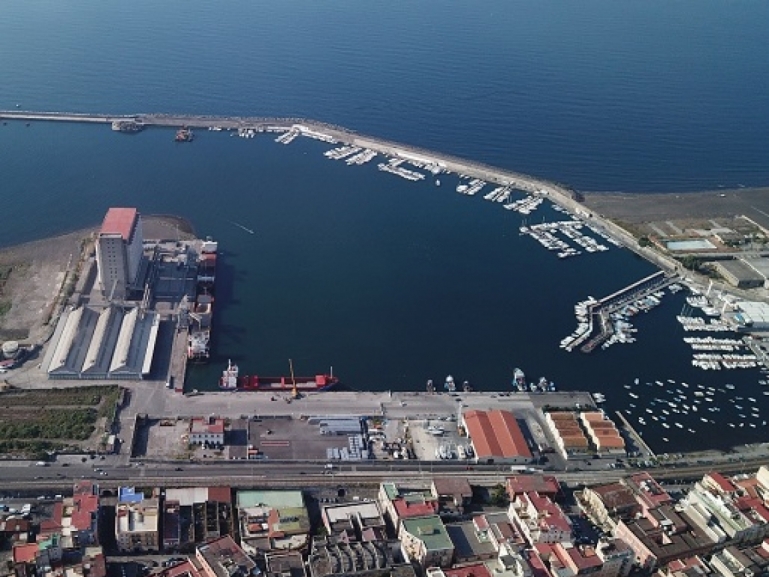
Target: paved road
x=20, y=477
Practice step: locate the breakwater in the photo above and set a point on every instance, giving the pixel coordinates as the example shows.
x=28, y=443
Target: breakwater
x=559, y=194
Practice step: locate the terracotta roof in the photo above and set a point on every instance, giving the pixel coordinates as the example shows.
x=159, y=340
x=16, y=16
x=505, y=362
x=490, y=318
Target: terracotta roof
x=584, y=558
x=542, y=484
x=98, y=565
x=750, y=485
x=550, y=514
x=594, y=416
x=201, y=425
x=574, y=440
x=406, y=508
x=14, y=526
x=459, y=486
x=25, y=553
x=601, y=425
x=562, y=416
x=495, y=433
x=220, y=494
x=85, y=507
x=119, y=221
x=610, y=441
x=722, y=482
x=615, y=496
x=475, y=570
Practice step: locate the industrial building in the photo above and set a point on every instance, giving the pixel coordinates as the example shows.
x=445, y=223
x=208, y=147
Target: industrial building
x=111, y=343
x=742, y=273
x=496, y=437
x=119, y=252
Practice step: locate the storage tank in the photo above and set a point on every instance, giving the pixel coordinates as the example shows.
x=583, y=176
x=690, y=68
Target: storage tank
x=10, y=349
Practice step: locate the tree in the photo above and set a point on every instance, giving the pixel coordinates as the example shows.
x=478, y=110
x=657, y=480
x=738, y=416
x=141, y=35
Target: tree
x=499, y=495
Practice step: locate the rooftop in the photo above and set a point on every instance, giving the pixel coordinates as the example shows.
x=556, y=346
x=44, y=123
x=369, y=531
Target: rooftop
x=495, y=433
x=542, y=484
x=119, y=221
x=452, y=486
x=226, y=558
x=431, y=531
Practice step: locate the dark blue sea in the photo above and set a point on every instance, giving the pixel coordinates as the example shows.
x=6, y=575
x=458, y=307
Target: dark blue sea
x=389, y=281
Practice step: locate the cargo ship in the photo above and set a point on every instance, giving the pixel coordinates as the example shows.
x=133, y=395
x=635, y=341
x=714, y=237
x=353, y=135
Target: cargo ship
x=201, y=313
x=231, y=380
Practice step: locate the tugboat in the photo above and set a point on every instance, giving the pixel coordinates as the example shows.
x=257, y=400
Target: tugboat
x=184, y=134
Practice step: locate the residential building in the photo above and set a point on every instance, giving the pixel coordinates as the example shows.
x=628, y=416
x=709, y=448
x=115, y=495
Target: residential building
x=272, y=521
x=607, y=504
x=540, y=520
x=119, y=252
x=456, y=490
x=197, y=514
x=336, y=557
x=661, y=536
x=81, y=514
x=741, y=562
x=616, y=556
x=544, y=485
x=424, y=540
x=223, y=557
x=399, y=503
x=741, y=520
x=357, y=521
x=136, y=521
x=497, y=529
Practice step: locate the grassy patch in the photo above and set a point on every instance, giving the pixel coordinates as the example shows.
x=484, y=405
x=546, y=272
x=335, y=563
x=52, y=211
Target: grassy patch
x=72, y=424
x=5, y=306
x=75, y=397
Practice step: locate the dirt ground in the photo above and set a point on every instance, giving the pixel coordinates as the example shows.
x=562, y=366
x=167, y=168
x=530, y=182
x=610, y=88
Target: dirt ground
x=665, y=207
x=38, y=269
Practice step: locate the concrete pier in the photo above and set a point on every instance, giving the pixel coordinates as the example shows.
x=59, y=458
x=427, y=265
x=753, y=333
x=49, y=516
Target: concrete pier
x=635, y=435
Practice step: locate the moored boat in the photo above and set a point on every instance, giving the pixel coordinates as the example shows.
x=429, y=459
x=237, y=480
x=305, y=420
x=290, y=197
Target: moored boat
x=231, y=380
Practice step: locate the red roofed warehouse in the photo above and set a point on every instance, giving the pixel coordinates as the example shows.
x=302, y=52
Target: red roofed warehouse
x=496, y=437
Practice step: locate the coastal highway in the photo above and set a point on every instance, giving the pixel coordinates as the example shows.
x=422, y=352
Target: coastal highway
x=28, y=477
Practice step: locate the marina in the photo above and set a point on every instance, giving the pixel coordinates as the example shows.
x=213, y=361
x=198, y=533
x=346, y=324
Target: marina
x=605, y=322
x=498, y=189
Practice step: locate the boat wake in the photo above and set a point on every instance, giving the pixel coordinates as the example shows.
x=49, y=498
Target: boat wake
x=240, y=226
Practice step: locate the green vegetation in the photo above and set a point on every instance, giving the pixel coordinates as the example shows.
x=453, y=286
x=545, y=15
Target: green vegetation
x=690, y=262
x=5, y=306
x=76, y=397
x=31, y=449
x=644, y=241
x=76, y=424
x=33, y=422
x=499, y=495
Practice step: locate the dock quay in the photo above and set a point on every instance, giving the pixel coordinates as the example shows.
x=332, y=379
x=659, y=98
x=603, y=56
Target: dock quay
x=635, y=435
x=599, y=312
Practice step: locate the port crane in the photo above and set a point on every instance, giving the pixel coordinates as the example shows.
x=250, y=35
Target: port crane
x=294, y=389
